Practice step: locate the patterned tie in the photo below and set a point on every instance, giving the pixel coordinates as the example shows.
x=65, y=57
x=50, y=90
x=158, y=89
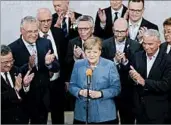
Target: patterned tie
x=64, y=27
x=116, y=16
x=34, y=52
x=6, y=78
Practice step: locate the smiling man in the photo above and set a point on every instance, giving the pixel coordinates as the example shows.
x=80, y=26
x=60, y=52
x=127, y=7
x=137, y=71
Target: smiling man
x=137, y=24
x=151, y=72
x=119, y=49
x=105, y=18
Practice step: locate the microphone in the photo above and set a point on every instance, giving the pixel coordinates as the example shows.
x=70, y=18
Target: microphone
x=89, y=73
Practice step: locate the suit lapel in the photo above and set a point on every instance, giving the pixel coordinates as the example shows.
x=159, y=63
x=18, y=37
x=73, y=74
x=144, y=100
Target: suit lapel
x=24, y=49
x=109, y=16
x=142, y=65
x=155, y=64
x=113, y=46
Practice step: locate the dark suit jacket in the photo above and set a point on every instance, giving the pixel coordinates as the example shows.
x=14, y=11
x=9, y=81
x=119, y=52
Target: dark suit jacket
x=109, y=51
x=39, y=92
x=148, y=24
x=72, y=32
x=107, y=32
x=61, y=45
x=154, y=95
x=11, y=108
x=69, y=57
x=163, y=48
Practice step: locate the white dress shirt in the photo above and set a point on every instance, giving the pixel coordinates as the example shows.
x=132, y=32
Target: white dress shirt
x=150, y=61
x=32, y=50
x=119, y=14
x=168, y=48
x=50, y=37
x=134, y=28
x=11, y=82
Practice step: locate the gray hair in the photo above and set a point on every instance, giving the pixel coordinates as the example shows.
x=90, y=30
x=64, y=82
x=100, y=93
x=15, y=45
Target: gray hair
x=5, y=50
x=43, y=10
x=152, y=32
x=85, y=18
x=28, y=19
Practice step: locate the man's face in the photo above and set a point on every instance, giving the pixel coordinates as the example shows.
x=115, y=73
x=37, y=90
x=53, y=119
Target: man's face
x=167, y=33
x=61, y=6
x=29, y=32
x=85, y=29
x=136, y=10
x=45, y=21
x=120, y=31
x=150, y=45
x=6, y=62
x=116, y=4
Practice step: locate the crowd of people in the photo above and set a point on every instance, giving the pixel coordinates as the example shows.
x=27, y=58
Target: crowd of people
x=114, y=70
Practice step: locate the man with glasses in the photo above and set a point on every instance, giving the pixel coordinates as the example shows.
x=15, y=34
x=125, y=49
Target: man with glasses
x=137, y=24
x=120, y=49
x=56, y=37
x=106, y=17
x=166, y=47
x=13, y=86
x=39, y=50
x=75, y=47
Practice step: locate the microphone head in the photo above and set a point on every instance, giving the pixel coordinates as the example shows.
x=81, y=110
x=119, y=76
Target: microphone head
x=89, y=72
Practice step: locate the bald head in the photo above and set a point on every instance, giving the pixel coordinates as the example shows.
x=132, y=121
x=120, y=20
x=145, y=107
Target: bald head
x=120, y=29
x=44, y=16
x=43, y=11
x=120, y=23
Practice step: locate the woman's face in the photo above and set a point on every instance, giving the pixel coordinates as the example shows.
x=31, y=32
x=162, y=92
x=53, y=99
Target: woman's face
x=93, y=55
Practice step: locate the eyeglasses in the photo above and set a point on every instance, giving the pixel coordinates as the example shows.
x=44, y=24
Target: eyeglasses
x=7, y=62
x=84, y=28
x=137, y=10
x=31, y=31
x=117, y=32
x=167, y=32
x=44, y=21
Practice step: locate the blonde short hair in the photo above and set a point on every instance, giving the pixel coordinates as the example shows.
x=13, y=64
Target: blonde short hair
x=92, y=41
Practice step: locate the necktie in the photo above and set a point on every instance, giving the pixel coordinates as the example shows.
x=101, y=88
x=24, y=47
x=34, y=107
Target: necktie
x=45, y=35
x=64, y=27
x=6, y=78
x=34, y=52
x=116, y=16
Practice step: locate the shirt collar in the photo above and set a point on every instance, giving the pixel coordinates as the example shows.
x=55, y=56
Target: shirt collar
x=120, y=43
x=41, y=33
x=26, y=43
x=119, y=11
x=154, y=56
x=138, y=23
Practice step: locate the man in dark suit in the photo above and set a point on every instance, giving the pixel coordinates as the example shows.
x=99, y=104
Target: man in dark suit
x=12, y=89
x=137, y=24
x=40, y=51
x=75, y=47
x=120, y=49
x=65, y=18
x=151, y=73
x=56, y=37
x=106, y=17
x=166, y=47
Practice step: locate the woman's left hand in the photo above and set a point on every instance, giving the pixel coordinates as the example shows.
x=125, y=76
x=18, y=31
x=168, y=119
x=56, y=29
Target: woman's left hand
x=95, y=94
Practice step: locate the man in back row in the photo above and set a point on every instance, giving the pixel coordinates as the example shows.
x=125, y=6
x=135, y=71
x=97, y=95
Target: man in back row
x=56, y=37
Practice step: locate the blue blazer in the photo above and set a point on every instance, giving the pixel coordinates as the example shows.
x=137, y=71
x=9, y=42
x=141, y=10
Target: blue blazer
x=105, y=78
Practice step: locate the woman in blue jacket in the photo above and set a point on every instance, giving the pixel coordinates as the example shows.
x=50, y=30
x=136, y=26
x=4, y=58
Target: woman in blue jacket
x=104, y=86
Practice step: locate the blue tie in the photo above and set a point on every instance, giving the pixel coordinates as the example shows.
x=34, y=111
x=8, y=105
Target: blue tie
x=64, y=27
